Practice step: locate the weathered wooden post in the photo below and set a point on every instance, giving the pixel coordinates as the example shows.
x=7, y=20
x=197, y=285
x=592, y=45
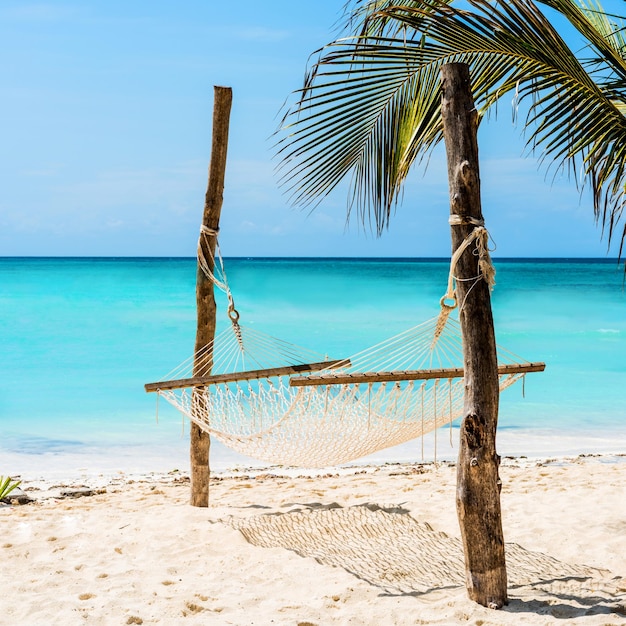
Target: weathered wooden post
x=478, y=482
x=205, y=300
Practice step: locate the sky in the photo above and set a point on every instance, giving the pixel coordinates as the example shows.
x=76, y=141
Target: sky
x=106, y=110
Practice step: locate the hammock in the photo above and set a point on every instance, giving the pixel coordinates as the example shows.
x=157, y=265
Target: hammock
x=282, y=404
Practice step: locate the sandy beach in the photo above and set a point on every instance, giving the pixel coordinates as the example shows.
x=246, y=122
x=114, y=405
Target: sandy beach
x=363, y=546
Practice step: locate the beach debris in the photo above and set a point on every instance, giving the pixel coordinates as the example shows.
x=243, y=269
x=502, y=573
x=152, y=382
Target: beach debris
x=80, y=492
x=17, y=497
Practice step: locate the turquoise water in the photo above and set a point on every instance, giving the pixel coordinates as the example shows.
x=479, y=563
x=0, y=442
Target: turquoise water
x=80, y=337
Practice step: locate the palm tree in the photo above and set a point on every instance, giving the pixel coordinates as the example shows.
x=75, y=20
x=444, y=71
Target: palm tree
x=371, y=107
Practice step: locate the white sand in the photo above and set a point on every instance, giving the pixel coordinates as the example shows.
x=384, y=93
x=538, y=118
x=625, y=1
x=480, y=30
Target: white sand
x=138, y=554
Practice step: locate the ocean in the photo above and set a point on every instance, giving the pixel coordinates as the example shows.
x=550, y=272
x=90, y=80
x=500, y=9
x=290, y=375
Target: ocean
x=81, y=336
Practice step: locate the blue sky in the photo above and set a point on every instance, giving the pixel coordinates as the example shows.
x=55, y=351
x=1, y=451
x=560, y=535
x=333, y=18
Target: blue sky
x=106, y=113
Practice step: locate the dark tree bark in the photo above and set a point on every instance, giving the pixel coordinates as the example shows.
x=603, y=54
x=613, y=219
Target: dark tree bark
x=478, y=483
x=205, y=299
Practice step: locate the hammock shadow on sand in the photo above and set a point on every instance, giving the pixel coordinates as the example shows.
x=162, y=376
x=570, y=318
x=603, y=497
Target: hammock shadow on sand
x=388, y=548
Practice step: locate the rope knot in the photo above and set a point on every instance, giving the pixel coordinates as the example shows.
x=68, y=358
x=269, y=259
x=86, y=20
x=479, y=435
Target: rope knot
x=464, y=220
x=211, y=232
x=213, y=269
x=486, y=270
x=485, y=266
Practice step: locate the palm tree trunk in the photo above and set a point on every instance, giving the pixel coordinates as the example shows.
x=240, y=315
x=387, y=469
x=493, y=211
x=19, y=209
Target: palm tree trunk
x=478, y=483
x=205, y=300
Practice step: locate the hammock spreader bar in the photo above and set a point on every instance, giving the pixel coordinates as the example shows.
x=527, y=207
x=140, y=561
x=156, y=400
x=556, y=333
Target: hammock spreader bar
x=204, y=381
x=333, y=379
x=426, y=374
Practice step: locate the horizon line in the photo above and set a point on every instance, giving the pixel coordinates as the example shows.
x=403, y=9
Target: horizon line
x=607, y=259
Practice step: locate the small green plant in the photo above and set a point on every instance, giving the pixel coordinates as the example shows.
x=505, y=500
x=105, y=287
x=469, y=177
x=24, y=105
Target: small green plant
x=7, y=485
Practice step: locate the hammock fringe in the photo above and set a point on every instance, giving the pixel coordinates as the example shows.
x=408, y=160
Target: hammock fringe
x=317, y=413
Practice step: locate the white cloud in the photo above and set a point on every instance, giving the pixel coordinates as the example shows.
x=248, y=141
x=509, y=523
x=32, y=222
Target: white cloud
x=43, y=172
x=136, y=187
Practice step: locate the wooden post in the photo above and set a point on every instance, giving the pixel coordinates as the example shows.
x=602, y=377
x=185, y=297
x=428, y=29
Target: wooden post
x=478, y=482
x=205, y=300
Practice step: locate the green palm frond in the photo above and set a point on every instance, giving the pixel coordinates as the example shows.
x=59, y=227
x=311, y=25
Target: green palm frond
x=7, y=485
x=603, y=33
x=370, y=105
x=363, y=110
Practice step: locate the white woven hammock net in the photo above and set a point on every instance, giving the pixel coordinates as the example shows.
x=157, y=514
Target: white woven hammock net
x=330, y=424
